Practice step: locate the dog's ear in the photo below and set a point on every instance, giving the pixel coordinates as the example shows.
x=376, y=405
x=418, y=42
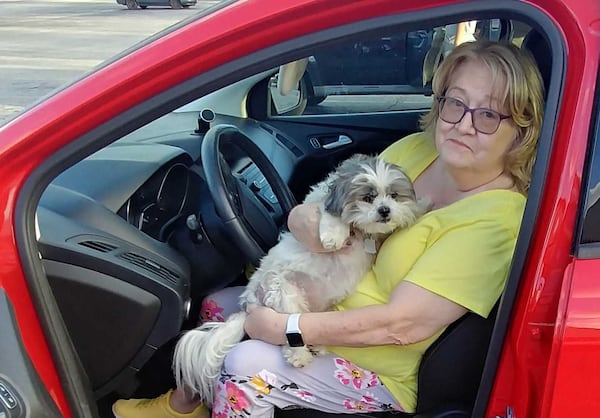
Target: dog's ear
x=336, y=196
x=340, y=183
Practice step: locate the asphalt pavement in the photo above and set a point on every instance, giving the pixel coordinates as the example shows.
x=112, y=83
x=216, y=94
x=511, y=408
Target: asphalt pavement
x=45, y=44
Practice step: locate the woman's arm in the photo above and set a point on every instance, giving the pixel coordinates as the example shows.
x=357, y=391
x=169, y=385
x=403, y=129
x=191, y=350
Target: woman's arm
x=412, y=314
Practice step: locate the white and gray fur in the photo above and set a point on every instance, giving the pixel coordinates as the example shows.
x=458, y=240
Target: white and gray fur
x=364, y=193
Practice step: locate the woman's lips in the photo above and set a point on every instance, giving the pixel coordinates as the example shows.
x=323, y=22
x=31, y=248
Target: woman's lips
x=458, y=143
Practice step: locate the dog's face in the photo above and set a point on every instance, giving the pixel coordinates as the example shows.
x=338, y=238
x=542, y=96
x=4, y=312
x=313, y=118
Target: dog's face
x=373, y=195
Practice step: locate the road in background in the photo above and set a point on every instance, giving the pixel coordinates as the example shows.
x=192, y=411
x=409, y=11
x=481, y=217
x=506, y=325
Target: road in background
x=45, y=44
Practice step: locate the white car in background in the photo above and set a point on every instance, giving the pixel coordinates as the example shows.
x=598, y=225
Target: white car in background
x=174, y=4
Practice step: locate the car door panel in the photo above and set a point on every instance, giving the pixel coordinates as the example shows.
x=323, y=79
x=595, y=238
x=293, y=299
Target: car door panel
x=22, y=392
x=576, y=343
x=324, y=141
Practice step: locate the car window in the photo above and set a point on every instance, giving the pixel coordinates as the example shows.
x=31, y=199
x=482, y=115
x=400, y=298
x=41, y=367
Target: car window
x=590, y=222
x=380, y=73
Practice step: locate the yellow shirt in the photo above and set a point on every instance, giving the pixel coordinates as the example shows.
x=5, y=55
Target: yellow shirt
x=461, y=252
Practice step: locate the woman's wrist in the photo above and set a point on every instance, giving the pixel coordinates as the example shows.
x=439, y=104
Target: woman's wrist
x=265, y=324
x=278, y=331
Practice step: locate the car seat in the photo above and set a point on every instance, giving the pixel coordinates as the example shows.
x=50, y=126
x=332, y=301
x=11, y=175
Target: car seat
x=535, y=42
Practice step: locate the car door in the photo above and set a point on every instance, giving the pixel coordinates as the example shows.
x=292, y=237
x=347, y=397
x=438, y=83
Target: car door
x=548, y=358
x=577, y=338
x=22, y=392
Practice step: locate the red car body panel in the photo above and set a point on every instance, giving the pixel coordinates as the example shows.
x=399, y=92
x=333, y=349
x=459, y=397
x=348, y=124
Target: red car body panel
x=534, y=371
x=550, y=365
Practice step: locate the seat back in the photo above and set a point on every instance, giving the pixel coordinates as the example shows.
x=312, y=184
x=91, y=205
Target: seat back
x=451, y=368
x=535, y=42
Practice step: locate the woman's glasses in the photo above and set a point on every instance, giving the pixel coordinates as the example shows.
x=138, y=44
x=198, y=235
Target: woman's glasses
x=485, y=121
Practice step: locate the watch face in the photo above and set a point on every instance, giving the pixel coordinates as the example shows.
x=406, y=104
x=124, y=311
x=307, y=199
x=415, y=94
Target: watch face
x=295, y=339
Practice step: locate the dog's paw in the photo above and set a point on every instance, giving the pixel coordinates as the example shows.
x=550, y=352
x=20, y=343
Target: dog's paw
x=332, y=242
x=333, y=236
x=297, y=356
x=333, y=232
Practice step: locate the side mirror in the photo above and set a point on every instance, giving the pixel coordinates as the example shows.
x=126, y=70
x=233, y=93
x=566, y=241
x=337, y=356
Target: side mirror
x=283, y=104
x=287, y=92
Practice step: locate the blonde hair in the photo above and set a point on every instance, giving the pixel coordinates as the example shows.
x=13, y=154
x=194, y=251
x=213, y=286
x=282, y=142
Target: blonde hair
x=521, y=96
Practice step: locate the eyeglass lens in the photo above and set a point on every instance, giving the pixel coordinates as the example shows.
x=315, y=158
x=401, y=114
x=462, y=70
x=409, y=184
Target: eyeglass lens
x=484, y=120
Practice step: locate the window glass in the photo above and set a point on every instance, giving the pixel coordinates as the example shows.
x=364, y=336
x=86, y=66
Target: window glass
x=591, y=214
x=382, y=73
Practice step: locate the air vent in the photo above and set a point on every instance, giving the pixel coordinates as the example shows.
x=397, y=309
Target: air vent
x=150, y=266
x=103, y=247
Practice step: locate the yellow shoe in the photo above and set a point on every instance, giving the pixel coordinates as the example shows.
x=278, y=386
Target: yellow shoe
x=154, y=408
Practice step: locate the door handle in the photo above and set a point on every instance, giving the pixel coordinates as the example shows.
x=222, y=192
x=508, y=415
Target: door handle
x=341, y=140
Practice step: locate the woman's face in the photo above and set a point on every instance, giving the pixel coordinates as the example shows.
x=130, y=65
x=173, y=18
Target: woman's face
x=459, y=144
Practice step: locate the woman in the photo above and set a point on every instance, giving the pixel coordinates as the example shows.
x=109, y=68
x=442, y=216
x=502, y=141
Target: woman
x=473, y=160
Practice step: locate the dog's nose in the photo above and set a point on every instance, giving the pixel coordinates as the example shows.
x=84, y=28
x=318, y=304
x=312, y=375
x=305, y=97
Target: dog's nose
x=384, y=211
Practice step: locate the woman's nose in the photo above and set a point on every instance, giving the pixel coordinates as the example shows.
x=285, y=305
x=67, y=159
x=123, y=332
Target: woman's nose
x=465, y=125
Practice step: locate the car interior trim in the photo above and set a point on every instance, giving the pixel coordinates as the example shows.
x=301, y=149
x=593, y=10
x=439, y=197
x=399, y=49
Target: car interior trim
x=24, y=394
x=588, y=247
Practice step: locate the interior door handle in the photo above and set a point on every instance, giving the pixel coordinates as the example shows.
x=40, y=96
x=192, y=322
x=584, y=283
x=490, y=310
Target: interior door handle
x=340, y=141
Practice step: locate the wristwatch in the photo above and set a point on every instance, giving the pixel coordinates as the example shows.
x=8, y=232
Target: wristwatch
x=292, y=331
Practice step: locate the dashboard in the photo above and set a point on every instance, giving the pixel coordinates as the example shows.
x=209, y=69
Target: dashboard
x=116, y=242
x=159, y=201
x=100, y=224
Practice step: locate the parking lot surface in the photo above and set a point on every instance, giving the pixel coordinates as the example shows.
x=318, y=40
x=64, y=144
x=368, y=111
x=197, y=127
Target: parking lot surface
x=45, y=44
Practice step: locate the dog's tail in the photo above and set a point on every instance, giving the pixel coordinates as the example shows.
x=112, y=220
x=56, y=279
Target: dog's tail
x=200, y=353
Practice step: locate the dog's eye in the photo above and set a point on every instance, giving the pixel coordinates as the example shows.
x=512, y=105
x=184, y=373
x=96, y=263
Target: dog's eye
x=369, y=198
x=394, y=195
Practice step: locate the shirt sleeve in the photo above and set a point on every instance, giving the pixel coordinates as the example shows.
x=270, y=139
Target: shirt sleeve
x=468, y=264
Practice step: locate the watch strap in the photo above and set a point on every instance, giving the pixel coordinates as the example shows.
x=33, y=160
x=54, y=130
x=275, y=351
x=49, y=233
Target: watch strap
x=292, y=331
x=293, y=323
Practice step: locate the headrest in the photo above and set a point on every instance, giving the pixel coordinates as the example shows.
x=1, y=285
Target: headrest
x=535, y=42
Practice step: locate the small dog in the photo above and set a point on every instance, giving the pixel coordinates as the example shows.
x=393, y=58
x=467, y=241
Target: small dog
x=365, y=194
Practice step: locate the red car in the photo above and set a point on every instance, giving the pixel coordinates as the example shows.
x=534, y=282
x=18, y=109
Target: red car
x=161, y=175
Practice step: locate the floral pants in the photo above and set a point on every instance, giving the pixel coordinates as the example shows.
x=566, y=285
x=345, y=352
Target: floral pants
x=256, y=378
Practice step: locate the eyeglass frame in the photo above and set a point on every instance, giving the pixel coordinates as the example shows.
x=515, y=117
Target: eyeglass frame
x=467, y=109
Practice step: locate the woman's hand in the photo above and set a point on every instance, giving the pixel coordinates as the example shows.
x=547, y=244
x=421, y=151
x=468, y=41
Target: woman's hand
x=303, y=223
x=265, y=324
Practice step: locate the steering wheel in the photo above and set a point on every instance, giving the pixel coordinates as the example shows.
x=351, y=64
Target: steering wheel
x=246, y=220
